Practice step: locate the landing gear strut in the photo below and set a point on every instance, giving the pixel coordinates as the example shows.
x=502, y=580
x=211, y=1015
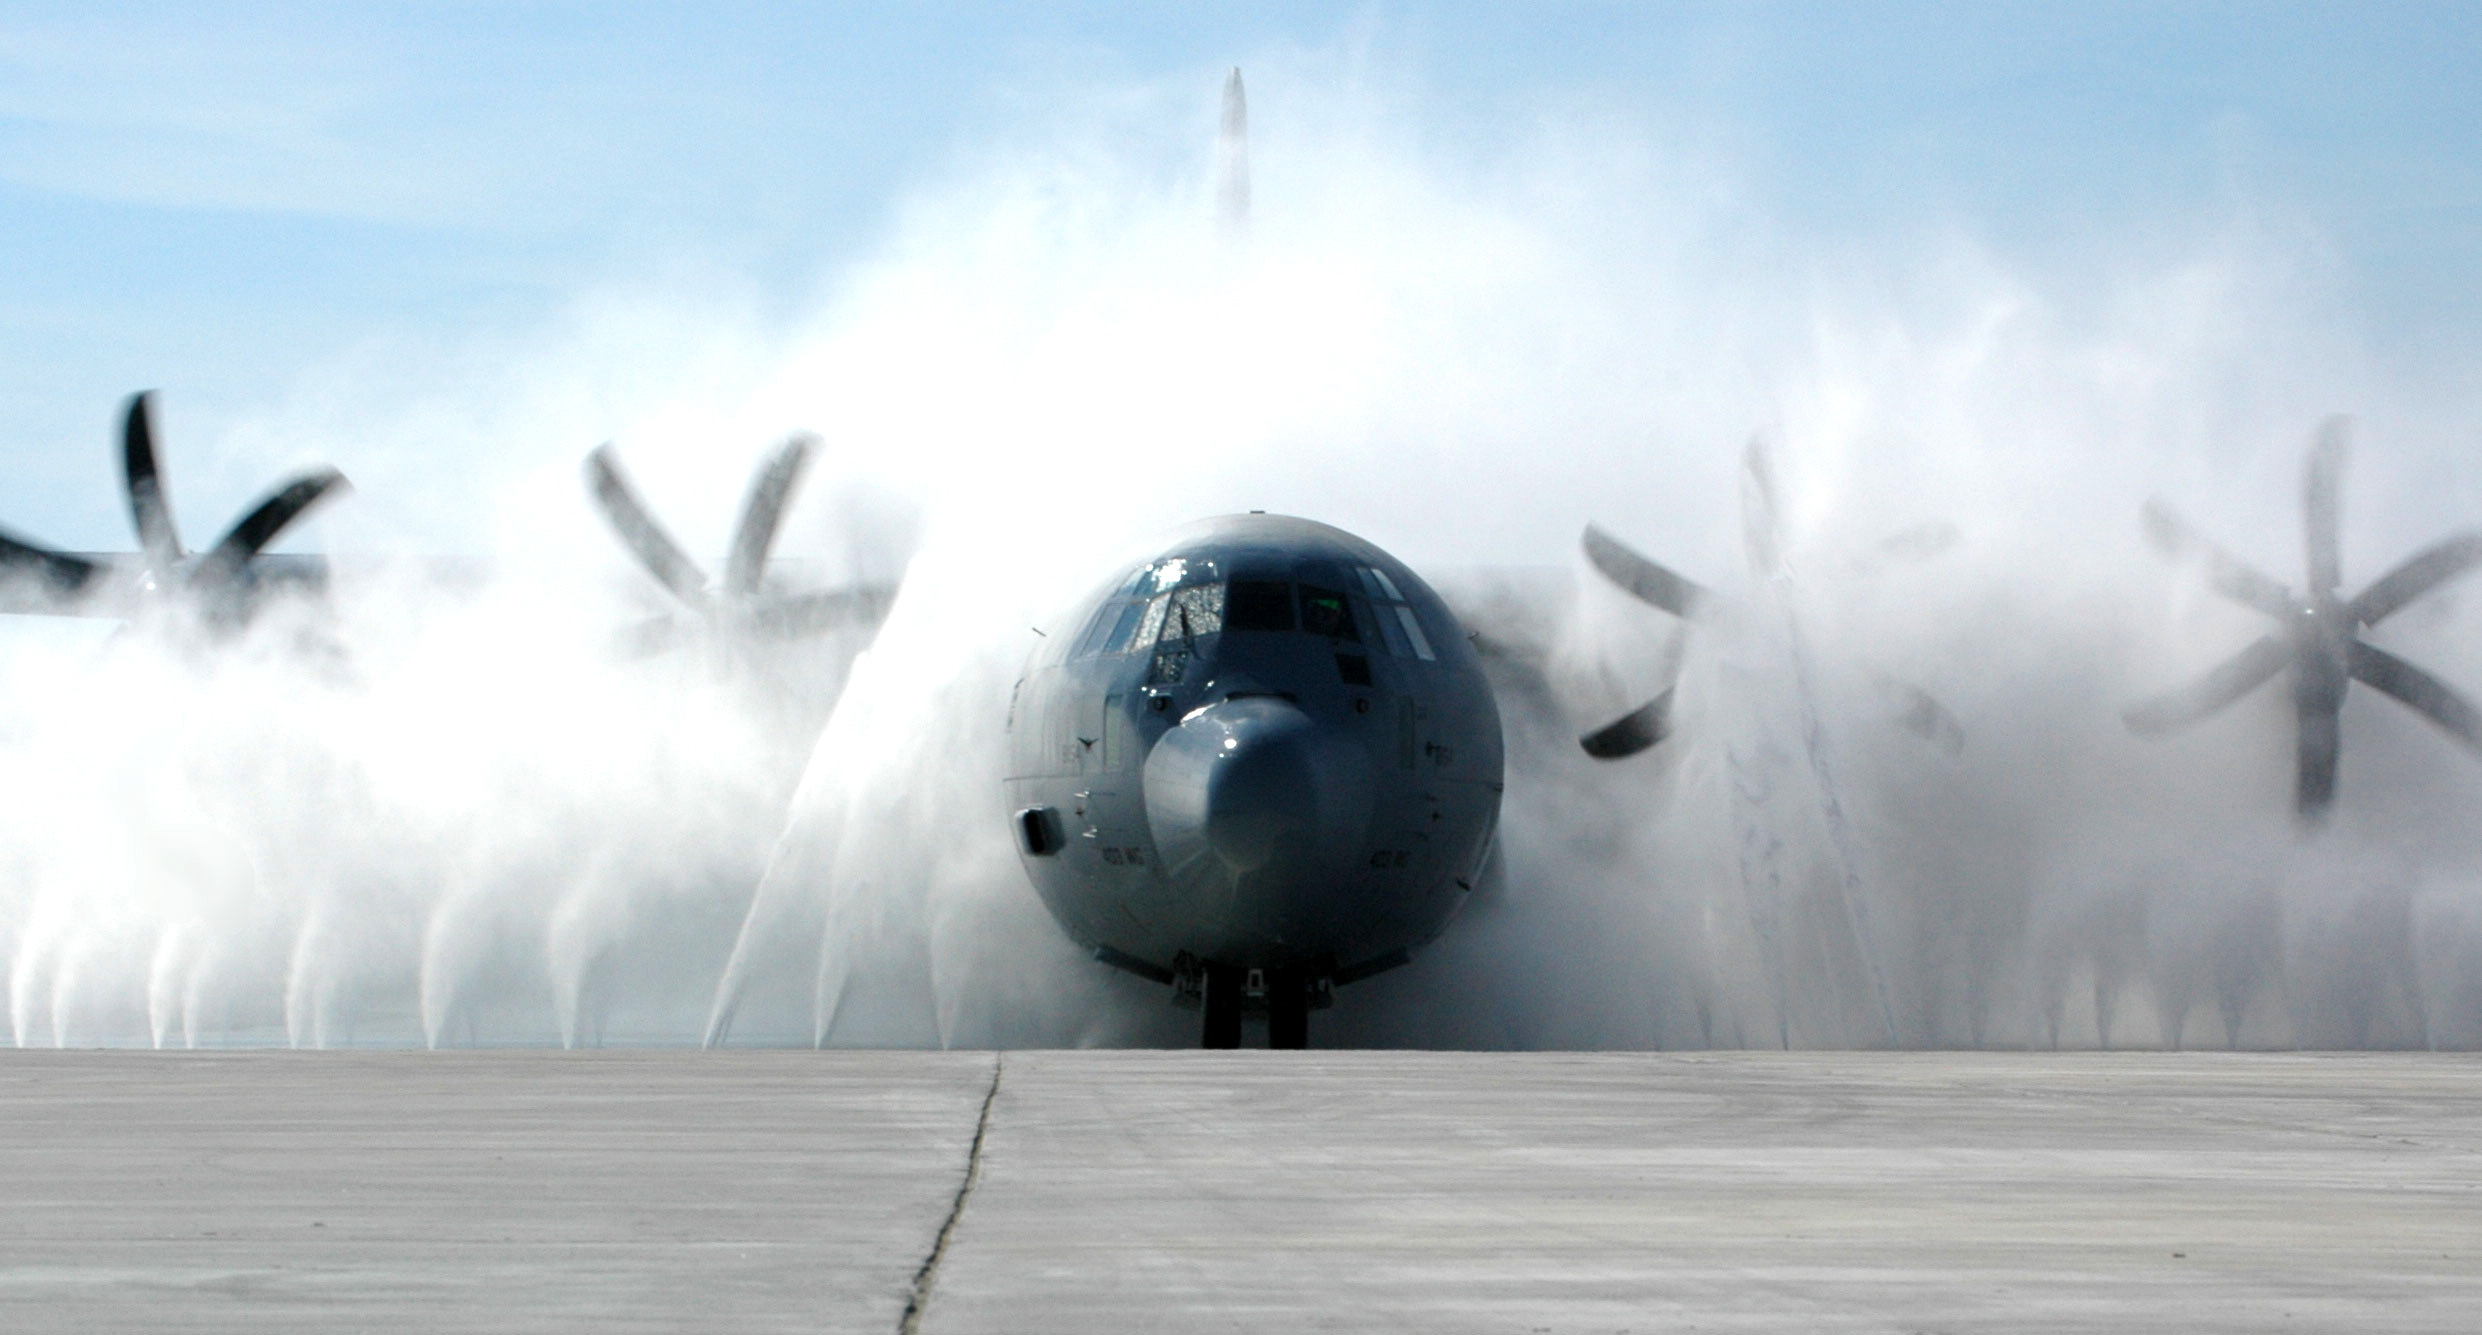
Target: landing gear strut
x=1288, y=1010
x=1223, y=1007
x=1225, y=991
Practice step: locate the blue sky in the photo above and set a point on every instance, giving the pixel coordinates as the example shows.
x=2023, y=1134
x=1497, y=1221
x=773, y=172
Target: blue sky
x=215, y=200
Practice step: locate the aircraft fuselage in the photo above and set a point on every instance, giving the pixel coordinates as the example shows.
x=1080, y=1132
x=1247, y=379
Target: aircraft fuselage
x=1260, y=765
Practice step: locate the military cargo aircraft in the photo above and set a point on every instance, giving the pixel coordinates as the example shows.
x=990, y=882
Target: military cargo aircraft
x=1262, y=765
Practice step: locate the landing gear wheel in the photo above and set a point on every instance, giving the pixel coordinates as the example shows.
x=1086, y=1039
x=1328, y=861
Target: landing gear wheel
x=1222, y=1007
x=1288, y=1010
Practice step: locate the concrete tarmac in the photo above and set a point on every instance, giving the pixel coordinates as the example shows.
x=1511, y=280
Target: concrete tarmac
x=1156, y=1191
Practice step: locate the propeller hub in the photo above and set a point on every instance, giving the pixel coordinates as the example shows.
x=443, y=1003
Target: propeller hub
x=2324, y=618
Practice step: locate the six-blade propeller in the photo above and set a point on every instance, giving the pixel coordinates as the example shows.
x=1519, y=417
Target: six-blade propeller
x=2319, y=632
x=1651, y=583
x=742, y=606
x=224, y=584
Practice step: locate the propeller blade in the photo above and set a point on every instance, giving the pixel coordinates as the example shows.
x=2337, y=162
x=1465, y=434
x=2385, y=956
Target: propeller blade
x=2238, y=675
x=828, y=609
x=2175, y=537
x=63, y=575
x=2419, y=691
x=1635, y=731
x=1920, y=713
x=655, y=549
x=2321, y=480
x=755, y=535
x=1232, y=158
x=2314, y=792
x=1646, y=581
x=147, y=509
x=1759, y=511
x=224, y=563
x=2418, y=574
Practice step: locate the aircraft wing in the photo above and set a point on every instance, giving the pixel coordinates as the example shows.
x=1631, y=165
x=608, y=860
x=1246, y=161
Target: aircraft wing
x=39, y=582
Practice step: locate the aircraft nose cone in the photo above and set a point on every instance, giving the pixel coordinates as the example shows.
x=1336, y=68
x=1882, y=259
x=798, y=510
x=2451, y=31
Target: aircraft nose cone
x=1255, y=785
x=1238, y=778
x=1261, y=788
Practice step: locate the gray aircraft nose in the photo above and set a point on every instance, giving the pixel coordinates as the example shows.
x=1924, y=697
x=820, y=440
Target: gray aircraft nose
x=1252, y=796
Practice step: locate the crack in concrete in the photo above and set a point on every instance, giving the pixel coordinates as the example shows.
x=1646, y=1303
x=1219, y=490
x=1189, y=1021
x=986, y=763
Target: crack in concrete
x=928, y=1275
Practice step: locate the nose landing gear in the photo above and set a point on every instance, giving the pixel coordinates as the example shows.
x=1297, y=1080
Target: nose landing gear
x=1288, y=1011
x=1223, y=1007
x=1285, y=993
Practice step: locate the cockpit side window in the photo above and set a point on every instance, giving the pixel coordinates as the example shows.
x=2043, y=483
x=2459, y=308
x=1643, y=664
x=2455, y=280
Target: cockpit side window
x=1391, y=631
x=1259, y=604
x=1366, y=623
x=1325, y=612
x=1413, y=632
x=1397, y=623
x=1124, y=628
x=1098, y=629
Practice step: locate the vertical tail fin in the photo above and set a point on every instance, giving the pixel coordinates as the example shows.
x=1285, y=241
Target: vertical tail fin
x=1232, y=160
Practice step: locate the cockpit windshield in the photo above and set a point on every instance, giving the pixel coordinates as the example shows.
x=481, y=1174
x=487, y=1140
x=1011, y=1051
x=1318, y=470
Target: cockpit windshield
x=1194, y=611
x=1259, y=604
x=1179, y=598
x=1173, y=572
x=1325, y=612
